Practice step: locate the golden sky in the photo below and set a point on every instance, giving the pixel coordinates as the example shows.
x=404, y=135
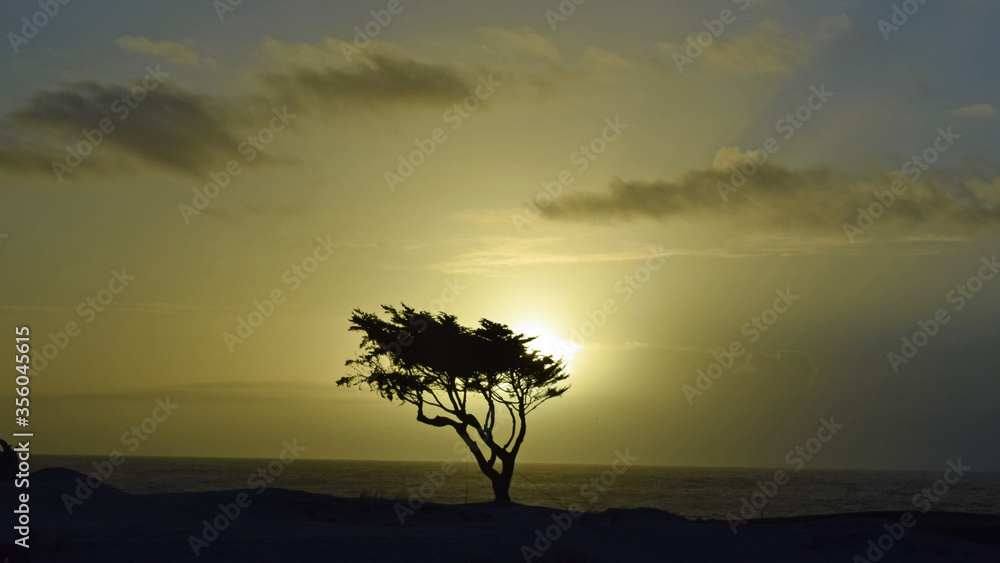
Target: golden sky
x=648, y=186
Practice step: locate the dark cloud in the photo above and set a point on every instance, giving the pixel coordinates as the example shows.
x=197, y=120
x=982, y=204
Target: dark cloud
x=191, y=133
x=25, y=157
x=170, y=127
x=378, y=79
x=780, y=198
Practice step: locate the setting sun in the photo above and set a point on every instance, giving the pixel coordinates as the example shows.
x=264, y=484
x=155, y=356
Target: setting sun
x=546, y=342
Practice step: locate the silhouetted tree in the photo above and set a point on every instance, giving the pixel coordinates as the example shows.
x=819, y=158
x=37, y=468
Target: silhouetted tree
x=447, y=370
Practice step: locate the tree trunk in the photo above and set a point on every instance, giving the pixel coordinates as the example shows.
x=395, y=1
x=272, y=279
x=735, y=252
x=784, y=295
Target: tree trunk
x=501, y=488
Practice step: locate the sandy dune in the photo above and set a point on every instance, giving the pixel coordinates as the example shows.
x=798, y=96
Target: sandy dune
x=284, y=525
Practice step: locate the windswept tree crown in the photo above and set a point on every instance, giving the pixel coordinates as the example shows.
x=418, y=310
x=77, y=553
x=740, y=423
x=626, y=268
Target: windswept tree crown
x=431, y=360
x=448, y=370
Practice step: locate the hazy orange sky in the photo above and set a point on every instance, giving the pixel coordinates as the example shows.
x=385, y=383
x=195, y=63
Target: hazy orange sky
x=594, y=176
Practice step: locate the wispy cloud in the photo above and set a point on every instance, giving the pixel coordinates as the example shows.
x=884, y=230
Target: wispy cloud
x=782, y=199
x=499, y=254
x=766, y=49
x=376, y=77
x=976, y=110
x=172, y=127
x=522, y=41
x=172, y=52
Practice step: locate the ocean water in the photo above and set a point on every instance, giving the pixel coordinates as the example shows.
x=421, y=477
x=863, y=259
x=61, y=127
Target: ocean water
x=692, y=492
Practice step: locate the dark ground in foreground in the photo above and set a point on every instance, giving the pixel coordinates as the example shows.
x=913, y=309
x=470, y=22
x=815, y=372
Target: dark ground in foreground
x=283, y=525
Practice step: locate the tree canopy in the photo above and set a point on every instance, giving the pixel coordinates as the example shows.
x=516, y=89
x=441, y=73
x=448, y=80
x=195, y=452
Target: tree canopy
x=458, y=377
